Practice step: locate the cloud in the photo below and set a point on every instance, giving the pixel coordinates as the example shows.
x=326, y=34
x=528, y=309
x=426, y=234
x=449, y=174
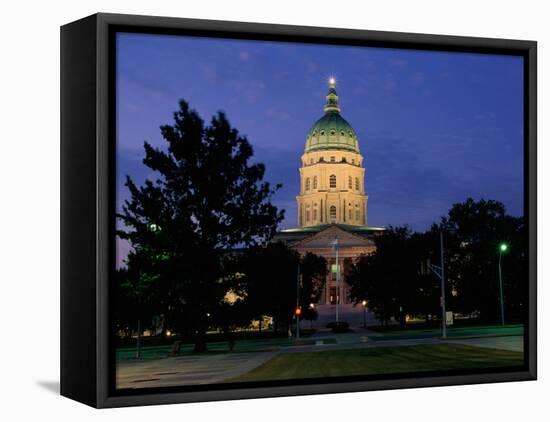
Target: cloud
x=245, y=56
x=490, y=115
x=250, y=90
x=312, y=67
x=277, y=115
x=389, y=83
x=399, y=63
x=418, y=77
x=210, y=73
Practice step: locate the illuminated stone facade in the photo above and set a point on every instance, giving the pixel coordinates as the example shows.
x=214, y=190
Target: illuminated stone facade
x=332, y=189
x=332, y=204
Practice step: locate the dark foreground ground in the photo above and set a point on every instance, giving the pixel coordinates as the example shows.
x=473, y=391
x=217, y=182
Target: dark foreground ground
x=325, y=354
x=381, y=360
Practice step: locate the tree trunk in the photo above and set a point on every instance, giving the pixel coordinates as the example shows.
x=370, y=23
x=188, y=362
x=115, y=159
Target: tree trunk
x=200, y=345
x=138, y=342
x=200, y=342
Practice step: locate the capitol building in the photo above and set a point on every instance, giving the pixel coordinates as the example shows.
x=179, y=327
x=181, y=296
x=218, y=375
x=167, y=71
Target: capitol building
x=332, y=208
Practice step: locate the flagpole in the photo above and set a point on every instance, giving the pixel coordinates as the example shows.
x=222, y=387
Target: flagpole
x=337, y=277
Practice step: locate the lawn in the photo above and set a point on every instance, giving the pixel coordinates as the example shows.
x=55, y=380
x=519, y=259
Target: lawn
x=380, y=360
x=396, y=333
x=244, y=345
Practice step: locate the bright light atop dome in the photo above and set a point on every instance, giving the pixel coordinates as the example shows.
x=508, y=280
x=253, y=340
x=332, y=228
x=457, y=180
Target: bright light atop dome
x=332, y=81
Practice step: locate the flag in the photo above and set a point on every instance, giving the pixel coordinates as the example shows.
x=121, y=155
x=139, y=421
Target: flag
x=335, y=244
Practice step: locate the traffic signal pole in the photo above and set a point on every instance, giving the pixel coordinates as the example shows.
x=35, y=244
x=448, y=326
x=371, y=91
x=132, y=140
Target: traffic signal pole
x=443, y=308
x=440, y=272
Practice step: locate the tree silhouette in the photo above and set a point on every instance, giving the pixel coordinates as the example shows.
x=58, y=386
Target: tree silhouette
x=473, y=231
x=396, y=280
x=207, y=198
x=313, y=269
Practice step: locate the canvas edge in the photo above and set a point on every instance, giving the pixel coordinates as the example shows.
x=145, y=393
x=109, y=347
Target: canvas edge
x=104, y=21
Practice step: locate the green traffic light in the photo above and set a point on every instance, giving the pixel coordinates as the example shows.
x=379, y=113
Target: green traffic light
x=503, y=247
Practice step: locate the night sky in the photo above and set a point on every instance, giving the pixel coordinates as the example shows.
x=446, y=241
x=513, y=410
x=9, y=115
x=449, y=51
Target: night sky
x=433, y=127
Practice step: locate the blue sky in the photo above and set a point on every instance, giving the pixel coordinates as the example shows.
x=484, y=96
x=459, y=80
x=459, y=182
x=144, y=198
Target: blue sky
x=433, y=127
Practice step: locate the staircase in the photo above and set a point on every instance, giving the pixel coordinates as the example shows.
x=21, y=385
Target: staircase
x=353, y=315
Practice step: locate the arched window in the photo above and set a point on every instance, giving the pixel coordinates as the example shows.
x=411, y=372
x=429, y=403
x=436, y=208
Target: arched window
x=357, y=215
x=349, y=183
x=314, y=214
x=356, y=183
x=332, y=181
x=314, y=182
x=307, y=215
x=333, y=214
x=350, y=213
x=307, y=183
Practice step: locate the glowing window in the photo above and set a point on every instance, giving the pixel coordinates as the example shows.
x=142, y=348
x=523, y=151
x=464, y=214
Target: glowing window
x=333, y=214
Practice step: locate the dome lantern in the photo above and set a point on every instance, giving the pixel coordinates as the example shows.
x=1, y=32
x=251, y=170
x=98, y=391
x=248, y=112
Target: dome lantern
x=332, y=131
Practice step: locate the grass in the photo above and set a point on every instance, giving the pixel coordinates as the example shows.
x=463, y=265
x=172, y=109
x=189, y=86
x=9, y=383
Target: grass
x=421, y=326
x=453, y=331
x=248, y=345
x=380, y=360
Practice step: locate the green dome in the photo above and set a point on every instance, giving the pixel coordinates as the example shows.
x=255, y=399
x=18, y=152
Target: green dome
x=332, y=131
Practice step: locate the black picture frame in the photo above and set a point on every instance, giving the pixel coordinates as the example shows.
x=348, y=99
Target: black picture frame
x=87, y=201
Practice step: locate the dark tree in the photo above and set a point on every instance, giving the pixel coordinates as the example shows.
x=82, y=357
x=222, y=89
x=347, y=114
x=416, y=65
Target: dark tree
x=313, y=269
x=207, y=198
x=271, y=275
x=386, y=278
x=137, y=295
x=473, y=231
x=425, y=297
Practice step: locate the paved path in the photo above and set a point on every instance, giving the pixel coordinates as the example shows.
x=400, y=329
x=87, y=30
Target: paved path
x=214, y=368
x=513, y=343
x=187, y=370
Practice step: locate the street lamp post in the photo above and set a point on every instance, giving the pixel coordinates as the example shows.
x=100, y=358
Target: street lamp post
x=364, y=303
x=439, y=271
x=298, y=309
x=502, y=248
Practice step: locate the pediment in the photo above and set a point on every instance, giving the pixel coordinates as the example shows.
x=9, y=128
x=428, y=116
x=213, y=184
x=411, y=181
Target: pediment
x=326, y=237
